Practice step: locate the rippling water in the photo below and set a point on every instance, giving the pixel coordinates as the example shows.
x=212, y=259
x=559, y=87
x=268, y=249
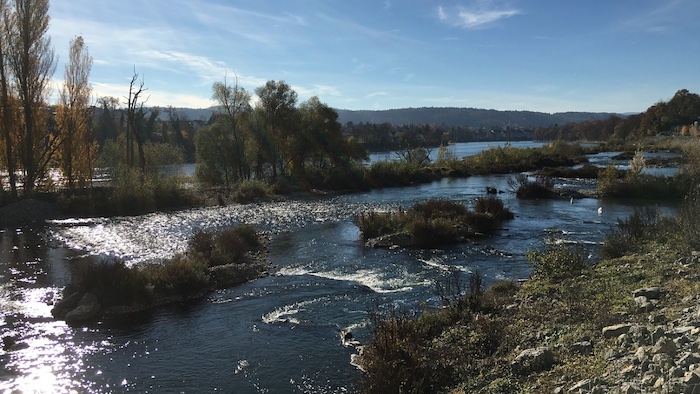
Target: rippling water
x=277, y=334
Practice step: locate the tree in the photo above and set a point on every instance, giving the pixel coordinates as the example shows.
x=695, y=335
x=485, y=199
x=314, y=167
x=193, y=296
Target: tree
x=74, y=115
x=320, y=140
x=234, y=108
x=221, y=146
x=134, y=114
x=8, y=137
x=278, y=113
x=31, y=61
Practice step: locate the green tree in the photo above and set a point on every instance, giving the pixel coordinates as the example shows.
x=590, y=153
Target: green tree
x=221, y=146
x=278, y=113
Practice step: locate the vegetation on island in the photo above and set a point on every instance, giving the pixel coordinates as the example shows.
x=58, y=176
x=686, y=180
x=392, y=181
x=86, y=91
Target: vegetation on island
x=213, y=260
x=437, y=222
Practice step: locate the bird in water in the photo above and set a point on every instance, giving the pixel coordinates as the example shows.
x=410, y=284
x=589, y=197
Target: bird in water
x=600, y=211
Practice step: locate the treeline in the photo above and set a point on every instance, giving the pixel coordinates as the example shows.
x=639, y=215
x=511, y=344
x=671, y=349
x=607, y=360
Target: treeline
x=678, y=115
x=278, y=138
x=31, y=137
x=386, y=136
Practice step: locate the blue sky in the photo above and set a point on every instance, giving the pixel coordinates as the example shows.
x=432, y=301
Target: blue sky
x=540, y=55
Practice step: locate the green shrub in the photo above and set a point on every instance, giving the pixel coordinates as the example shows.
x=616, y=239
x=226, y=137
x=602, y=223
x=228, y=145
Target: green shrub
x=541, y=187
x=435, y=222
x=178, y=276
x=432, y=232
x=375, y=224
x=556, y=261
x=226, y=247
x=493, y=206
x=250, y=191
x=435, y=208
x=631, y=234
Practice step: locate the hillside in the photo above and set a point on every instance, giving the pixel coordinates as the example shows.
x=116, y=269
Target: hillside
x=471, y=117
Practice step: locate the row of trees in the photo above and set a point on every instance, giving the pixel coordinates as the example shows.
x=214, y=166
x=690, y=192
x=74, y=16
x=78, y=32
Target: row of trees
x=387, y=136
x=277, y=137
x=33, y=137
x=663, y=117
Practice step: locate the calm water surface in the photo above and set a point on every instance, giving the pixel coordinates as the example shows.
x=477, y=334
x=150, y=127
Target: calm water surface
x=277, y=334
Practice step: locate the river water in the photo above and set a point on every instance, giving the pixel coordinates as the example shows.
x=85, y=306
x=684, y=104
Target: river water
x=277, y=334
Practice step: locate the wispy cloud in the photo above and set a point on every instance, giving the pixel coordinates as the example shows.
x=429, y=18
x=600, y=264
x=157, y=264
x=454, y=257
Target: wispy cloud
x=478, y=15
x=377, y=94
x=662, y=18
x=317, y=90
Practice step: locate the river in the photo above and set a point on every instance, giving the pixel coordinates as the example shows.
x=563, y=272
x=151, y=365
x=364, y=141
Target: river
x=279, y=334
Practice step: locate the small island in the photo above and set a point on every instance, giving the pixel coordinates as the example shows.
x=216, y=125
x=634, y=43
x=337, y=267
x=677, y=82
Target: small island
x=212, y=261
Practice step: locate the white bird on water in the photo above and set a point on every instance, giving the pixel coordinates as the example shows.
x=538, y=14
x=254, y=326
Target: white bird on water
x=600, y=210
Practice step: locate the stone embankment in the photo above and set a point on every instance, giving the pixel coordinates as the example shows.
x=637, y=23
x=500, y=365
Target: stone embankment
x=659, y=353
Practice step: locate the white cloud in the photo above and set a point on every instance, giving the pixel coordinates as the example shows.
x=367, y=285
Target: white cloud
x=478, y=15
x=317, y=90
x=377, y=94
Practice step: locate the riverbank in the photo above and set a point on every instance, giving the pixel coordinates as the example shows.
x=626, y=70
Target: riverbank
x=629, y=324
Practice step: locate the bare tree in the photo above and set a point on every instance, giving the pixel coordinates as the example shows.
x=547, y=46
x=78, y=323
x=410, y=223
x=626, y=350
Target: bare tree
x=132, y=131
x=74, y=117
x=32, y=63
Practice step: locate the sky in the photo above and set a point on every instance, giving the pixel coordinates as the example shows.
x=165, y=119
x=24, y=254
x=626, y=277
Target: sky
x=539, y=55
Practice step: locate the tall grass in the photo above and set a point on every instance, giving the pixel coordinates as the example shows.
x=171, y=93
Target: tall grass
x=183, y=275
x=436, y=222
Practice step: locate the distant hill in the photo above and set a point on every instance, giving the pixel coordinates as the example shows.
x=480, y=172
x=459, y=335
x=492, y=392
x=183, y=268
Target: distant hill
x=471, y=117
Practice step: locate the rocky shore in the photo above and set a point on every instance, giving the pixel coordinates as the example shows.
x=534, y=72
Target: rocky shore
x=654, y=349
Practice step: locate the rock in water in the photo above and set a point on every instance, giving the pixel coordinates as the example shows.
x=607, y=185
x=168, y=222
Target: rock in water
x=87, y=309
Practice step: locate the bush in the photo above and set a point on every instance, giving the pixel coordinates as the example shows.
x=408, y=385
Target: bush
x=632, y=233
x=112, y=282
x=375, y=224
x=440, y=209
x=541, y=187
x=178, y=276
x=556, y=261
x=435, y=222
x=226, y=247
x=250, y=191
x=493, y=206
x=430, y=232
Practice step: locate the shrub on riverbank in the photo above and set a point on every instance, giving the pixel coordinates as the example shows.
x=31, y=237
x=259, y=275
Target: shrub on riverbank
x=436, y=222
x=131, y=193
x=439, y=348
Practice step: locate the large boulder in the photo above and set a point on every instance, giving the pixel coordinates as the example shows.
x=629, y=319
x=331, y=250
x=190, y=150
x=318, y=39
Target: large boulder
x=87, y=309
x=532, y=360
x=68, y=302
